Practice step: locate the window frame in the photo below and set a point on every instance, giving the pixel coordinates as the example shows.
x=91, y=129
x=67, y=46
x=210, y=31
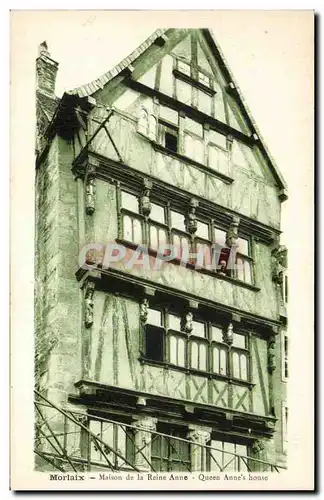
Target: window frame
x=207, y=340
x=192, y=239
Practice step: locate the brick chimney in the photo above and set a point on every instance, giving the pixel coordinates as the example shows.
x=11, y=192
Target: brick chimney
x=46, y=70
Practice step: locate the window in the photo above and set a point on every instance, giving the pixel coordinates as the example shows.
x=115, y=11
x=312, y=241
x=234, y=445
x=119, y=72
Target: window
x=118, y=438
x=190, y=343
x=230, y=361
x=225, y=456
x=284, y=357
x=166, y=226
x=218, y=157
x=158, y=230
x=154, y=336
x=168, y=453
x=132, y=221
x=243, y=271
x=169, y=137
x=209, y=148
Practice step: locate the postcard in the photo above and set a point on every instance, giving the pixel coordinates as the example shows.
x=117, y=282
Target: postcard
x=161, y=322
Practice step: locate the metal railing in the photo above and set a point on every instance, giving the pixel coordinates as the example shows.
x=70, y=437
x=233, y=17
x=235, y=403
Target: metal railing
x=65, y=440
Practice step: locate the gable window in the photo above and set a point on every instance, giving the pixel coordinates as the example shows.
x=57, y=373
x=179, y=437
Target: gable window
x=217, y=149
x=194, y=86
x=168, y=453
x=169, y=136
x=167, y=339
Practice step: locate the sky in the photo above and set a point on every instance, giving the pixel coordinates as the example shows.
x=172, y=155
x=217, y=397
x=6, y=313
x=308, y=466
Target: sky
x=269, y=53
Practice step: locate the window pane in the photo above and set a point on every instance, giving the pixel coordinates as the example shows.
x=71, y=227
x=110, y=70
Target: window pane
x=236, y=364
x=243, y=365
x=173, y=350
x=129, y=201
x=243, y=246
x=239, y=269
x=157, y=213
x=154, y=242
x=213, y=157
x=183, y=92
x=220, y=237
x=204, y=79
x=137, y=228
x=202, y=230
x=247, y=272
x=223, y=162
x=217, y=334
x=204, y=102
x=184, y=68
x=222, y=364
x=204, y=255
x=194, y=355
x=171, y=140
x=217, y=138
x=198, y=329
x=181, y=352
x=154, y=338
x=174, y=322
x=203, y=357
x=177, y=220
x=199, y=151
x=128, y=228
x=154, y=317
x=239, y=340
x=194, y=127
x=169, y=114
x=216, y=360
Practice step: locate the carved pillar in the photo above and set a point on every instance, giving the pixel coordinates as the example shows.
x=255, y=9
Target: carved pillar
x=89, y=288
x=271, y=345
x=144, y=305
x=191, y=219
x=143, y=437
x=231, y=242
x=90, y=189
x=88, y=303
x=186, y=322
x=199, y=436
x=145, y=204
x=228, y=334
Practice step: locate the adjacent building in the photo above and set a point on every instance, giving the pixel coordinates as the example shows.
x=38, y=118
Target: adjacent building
x=161, y=286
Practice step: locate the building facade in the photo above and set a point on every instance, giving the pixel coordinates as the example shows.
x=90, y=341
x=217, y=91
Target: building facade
x=161, y=284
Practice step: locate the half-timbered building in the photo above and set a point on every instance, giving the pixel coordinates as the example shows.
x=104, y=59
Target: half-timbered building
x=150, y=359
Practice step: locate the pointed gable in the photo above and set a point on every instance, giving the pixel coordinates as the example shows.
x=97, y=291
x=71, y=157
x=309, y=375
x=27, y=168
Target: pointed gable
x=187, y=65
